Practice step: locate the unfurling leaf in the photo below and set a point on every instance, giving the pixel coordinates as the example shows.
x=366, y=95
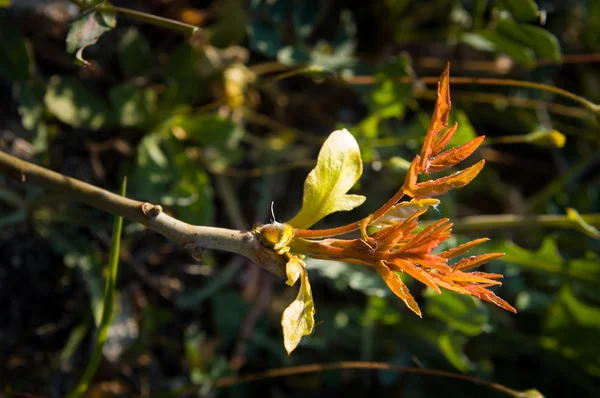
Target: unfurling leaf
x=396, y=285
x=86, y=30
x=439, y=120
x=338, y=168
x=403, y=211
x=453, y=156
x=298, y=318
x=442, y=185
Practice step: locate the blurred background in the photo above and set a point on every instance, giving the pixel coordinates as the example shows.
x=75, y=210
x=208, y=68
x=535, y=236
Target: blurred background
x=218, y=125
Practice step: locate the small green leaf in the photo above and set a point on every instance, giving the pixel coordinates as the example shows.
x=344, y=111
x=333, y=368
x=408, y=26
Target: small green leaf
x=532, y=393
x=543, y=43
x=495, y=41
x=462, y=313
x=298, y=318
x=131, y=105
x=451, y=345
x=5, y=3
x=134, y=53
x=584, y=227
x=86, y=30
x=525, y=10
x=338, y=168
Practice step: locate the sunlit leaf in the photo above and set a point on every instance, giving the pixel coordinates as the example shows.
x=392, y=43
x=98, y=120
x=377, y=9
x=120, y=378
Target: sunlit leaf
x=584, y=227
x=475, y=261
x=86, y=30
x=298, y=319
x=338, y=168
x=442, y=185
x=72, y=103
x=452, y=345
x=533, y=393
x=439, y=120
x=293, y=269
x=403, y=211
x=453, y=156
x=396, y=285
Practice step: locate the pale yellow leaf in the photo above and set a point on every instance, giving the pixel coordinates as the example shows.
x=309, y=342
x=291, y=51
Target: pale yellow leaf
x=339, y=166
x=298, y=319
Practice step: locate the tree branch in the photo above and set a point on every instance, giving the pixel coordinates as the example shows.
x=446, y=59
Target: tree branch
x=189, y=236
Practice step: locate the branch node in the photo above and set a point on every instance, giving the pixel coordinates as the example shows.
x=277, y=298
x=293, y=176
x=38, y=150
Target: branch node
x=150, y=210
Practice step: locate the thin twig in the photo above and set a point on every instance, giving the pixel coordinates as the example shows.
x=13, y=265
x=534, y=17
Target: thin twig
x=314, y=368
x=507, y=221
x=152, y=216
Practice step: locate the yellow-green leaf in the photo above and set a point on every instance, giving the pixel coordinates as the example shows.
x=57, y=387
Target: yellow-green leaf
x=584, y=227
x=338, y=168
x=298, y=318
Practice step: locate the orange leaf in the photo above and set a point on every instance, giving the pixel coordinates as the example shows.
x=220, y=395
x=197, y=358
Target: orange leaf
x=488, y=295
x=416, y=272
x=444, y=140
x=475, y=261
x=453, y=156
x=397, y=286
x=442, y=185
x=410, y=181
x=471, y=277
x=439, y=120
x=465, y=247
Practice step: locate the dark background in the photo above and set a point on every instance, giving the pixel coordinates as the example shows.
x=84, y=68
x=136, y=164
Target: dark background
x=208, y=127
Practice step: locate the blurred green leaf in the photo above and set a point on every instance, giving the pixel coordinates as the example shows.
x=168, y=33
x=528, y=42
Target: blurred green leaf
x=525, y=10
x=584, y=227
x=5, y=3
x=134, y=53
x=86, y=30
x=465, y=131
x=461, y=313
x=492, y=40
x=72, y=103
x=209, y=129
x=389, y=96
x=232, y=19
x=165, y=174
x=338, y=168
x=344, y=276
x=30, y=100
x=543, y=43
x=568, y=309
x=546, y=259
x=132, y=106
x=452, y=344
x=16, y=63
